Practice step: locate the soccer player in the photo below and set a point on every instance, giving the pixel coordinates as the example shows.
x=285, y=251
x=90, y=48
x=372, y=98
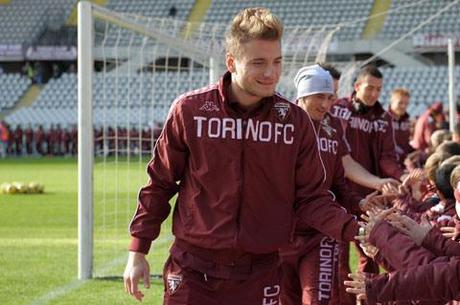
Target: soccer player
x=369, y=132
x=399, y=101
x=243, y=162
x=309, y=264
x=353, y=170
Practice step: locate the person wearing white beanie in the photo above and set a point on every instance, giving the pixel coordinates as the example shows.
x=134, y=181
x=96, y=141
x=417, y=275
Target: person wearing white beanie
x=304, y=282
x=315, y=91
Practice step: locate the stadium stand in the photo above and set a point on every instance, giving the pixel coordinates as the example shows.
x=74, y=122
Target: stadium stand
x=12, y=87
x=426, y=85
x=159, y=8
x=22, y=21
x=295, y=13
x=401, y=21
x=57, y=103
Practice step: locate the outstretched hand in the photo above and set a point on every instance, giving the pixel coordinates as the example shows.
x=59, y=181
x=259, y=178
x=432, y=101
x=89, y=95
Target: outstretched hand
x=375, y=201
x=357, y=285
x=410, y=227
x=369, y=249
x=371, y=218
x=449, y=232
x=414, y=176
x=374, y=216
x=391, y=189
x=386, y=181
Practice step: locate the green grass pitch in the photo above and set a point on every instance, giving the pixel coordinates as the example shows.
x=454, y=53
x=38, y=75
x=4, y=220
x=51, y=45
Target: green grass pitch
x=38, y=234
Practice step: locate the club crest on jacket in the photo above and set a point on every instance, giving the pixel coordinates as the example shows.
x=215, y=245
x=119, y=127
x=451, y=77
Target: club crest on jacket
x=174, y=281
x=325, y=124
x=282, y=110
x=209, y=106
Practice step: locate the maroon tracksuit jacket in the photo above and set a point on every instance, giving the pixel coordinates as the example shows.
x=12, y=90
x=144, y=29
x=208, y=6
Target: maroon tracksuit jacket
x=370, y=136
x=401, y=129
x=310, y=262
x=240, y=177
x=371, y=139
x=432, y=276
x=332, y=146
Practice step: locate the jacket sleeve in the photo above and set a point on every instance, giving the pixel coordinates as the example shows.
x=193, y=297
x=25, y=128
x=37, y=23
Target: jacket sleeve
x=432, y=282
x=440, y=245
x=388, y=163
x=164, y=170
x=314, y=206
x=345, y=195
x=398, y=250
x=383, y=262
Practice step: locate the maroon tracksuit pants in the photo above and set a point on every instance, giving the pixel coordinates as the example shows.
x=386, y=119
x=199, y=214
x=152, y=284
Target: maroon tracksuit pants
x=257, y=283
x=310, y=275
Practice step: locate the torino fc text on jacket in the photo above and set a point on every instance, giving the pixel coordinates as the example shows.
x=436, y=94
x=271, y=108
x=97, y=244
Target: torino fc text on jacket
x=240, y=176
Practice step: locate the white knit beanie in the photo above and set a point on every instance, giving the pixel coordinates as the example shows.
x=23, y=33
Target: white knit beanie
x=312, y=80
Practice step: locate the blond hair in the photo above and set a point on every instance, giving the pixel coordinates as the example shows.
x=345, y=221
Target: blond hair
x=455, y=177
x=400, y=92
x=440, y=136
x=432, y=164
x=250, y=24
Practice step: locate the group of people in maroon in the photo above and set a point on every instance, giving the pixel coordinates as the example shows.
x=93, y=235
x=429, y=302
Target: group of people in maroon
x=271, y=192
x=27, y=141
x=58, y=141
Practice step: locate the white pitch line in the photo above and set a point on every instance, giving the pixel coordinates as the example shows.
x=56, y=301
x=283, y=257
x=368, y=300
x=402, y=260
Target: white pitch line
x=75, y=284
x=57, y=292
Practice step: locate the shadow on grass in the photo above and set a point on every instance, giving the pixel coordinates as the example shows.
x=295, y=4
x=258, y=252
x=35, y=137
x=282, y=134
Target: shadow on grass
x=157, y=279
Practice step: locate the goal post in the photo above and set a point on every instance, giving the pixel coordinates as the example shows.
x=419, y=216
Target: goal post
x=88, y=53
x=85, y=140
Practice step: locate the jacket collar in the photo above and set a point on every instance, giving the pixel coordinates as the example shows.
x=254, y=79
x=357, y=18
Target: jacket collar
x=402, y=118
x=377, y=109
x=229, y=100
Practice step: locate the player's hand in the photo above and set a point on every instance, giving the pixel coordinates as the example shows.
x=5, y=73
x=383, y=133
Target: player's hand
x=449, y=232
x=357, y=285
x=374, y=216
x=374, y=201
x=369, y=249
x=385, y=181
x=410, y=227
x=137, y=268
x=390, y=189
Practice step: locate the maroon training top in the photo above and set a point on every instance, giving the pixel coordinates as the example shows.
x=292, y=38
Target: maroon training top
x=332, y=147
x=371, y=139
x=401, y=128
x=240, y=176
